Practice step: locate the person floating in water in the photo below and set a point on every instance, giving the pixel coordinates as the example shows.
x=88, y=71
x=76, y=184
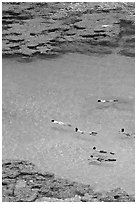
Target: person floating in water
x=93, y=133
x=107, y=101
x=60, y=123
x=103, y=151
x=85, y=132
x=77, y=130
x=122, y=130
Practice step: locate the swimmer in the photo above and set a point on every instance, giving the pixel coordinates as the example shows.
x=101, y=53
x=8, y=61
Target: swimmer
x=122, y=130
x=84, y=132
x=93, y=133
x=78, y=130
x=103, y=101
x=107, y=101
x=60, y=123
x=103, y=151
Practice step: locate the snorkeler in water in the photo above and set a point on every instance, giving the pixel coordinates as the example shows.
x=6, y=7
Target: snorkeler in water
x=75, y=129
x=78, y=130
x=60, y=123
x=85, y=132
x=122, y=130
x=103, y=151
x=107, y=101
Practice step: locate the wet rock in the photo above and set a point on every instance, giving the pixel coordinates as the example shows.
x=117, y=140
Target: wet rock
x=48, y=199
x=32, y=26
x=20, y=184
x=24, y=194
x=80, y=25
x=77, y=198
x=24, y=50
x=127, y=37
x=23, y=182
x=117, y=195
x=127, y=52
x=87, y=198
x=71, y=32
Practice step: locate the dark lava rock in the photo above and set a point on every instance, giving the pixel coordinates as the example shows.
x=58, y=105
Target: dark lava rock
x=23, y=182
x=117, y=195
x=70, y=27
x=127, y=37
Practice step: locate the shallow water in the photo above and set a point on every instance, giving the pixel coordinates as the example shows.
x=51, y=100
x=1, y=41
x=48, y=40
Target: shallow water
x=67, y=89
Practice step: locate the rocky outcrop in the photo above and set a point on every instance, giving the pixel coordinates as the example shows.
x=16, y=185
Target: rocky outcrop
x=51, y=29
x=23, y=182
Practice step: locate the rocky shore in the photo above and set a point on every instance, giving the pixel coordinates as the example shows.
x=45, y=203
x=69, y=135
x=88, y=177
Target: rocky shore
x=52, y=29
x=23, y=182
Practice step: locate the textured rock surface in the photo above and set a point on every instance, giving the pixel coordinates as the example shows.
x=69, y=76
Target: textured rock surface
x=23, y=182
x=51, y=29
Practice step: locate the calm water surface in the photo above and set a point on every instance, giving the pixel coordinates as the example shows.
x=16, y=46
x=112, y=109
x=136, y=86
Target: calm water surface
x=67, y=89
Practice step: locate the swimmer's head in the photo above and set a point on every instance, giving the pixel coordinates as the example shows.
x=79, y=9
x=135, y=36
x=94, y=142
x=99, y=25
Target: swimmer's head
x=99, y=100
x=122, y=130
x=94, y=148
x=52, y=121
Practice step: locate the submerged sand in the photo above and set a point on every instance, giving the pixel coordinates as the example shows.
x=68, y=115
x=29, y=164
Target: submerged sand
x=67, y=89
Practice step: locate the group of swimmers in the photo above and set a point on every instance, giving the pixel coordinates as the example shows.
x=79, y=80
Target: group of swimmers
x=93, y=133
x=97, y=155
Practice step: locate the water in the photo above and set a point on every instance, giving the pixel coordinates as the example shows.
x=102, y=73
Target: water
x=67, y=89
